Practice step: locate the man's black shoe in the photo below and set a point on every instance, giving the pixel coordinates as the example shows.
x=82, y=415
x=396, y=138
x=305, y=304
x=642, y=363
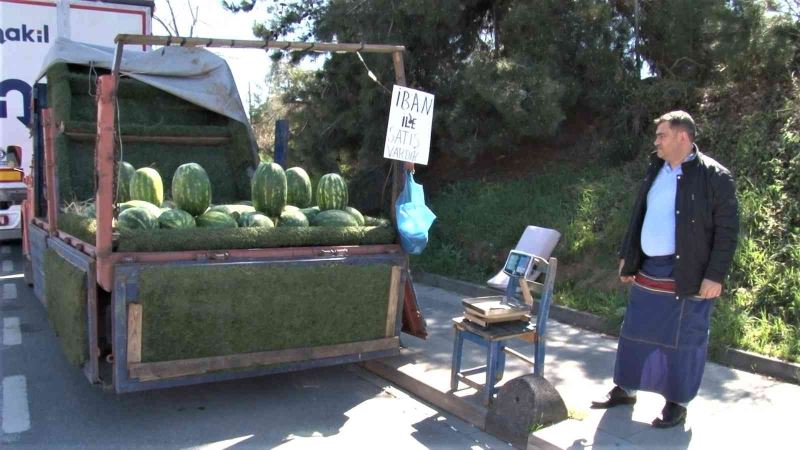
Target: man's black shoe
x=672, y=415
x=616, y=397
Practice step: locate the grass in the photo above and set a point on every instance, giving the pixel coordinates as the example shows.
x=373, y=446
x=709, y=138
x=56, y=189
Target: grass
x=479, y=221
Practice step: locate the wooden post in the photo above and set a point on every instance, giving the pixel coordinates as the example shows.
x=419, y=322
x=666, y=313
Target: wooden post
x=394, y=294
x=50, y=169
x=134, y=333
x=104, y=171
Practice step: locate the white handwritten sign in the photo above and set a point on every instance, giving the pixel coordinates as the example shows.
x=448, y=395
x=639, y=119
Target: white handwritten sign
x=408, y=136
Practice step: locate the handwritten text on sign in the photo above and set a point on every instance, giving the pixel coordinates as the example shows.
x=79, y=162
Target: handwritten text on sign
x=408, y=136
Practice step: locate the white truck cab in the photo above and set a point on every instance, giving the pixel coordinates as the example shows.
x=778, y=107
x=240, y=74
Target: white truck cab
x=12, y=192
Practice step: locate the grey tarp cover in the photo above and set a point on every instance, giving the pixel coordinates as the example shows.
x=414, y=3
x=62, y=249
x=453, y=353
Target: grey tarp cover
x=193, y=74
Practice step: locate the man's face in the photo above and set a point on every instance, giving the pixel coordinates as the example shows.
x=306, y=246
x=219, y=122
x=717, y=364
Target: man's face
x=668, y=141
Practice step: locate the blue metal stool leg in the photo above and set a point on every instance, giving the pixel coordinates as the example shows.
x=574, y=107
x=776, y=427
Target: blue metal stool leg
x=491, y=369
x=501, y=361
x=455, y=367
x=538, y=358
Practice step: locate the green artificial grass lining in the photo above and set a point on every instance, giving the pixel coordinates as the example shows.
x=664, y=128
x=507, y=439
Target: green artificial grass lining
x=162, y=240
x=66, y=294
x=215, y=310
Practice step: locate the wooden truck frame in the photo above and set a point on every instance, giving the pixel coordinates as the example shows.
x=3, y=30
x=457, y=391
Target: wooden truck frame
x=114, y=275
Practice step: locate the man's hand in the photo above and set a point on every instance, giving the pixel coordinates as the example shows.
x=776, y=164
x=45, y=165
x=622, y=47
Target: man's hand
x=709, y=289
x=624, y=278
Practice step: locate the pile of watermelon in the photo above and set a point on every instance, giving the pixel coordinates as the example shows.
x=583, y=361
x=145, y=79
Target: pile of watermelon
x=278, y=199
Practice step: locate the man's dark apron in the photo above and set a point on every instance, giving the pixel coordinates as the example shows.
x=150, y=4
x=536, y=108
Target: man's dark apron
x=664, y=340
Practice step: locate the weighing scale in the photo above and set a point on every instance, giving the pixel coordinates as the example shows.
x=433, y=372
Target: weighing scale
x=485, y=311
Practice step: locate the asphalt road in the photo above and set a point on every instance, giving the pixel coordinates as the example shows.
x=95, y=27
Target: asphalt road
x=46, y=403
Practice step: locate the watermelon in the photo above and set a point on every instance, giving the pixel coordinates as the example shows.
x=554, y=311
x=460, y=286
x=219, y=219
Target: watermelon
x=298, y=187
x=332, y=192
x=268, y=189
x=245, y=202
x=355, y=213
x=334, y=218
x=291, y=218
x=231, y=209
x=154, y=210
x=191, y=188
x=137, y=218
x=255, y=219
x=215, y=219
x=176, y=218
x=310, y=212
x=146, y=185
x=125, y=171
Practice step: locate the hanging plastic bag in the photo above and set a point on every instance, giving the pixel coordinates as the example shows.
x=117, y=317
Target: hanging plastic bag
x=414, y=218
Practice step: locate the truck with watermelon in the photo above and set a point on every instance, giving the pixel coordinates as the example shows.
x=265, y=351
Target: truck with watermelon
x=166, y=253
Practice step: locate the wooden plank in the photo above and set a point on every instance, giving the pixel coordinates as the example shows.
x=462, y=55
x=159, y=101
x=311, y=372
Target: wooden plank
x=519, y=355
x=242, y=43
x=198, y=366
x=394, y=294
x=464, y=410
x=178, y=140
x=493, y=308
x=50, y=170
x=526, y=291
x=134, y=333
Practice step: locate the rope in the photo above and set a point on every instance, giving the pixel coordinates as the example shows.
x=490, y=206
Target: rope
x=370, y=74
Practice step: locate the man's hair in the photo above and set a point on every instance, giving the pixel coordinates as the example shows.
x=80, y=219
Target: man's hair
x=679, y=119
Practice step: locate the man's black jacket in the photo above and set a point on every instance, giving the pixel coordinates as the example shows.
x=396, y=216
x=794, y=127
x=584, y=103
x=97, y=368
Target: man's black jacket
x=706, y=223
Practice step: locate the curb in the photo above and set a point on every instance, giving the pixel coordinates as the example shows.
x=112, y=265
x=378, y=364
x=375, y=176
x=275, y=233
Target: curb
x=737, y=359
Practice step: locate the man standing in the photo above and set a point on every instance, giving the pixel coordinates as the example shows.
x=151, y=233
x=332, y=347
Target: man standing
x=679, y=245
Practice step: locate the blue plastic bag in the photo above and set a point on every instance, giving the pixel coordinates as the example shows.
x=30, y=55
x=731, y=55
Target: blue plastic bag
x=414, y=218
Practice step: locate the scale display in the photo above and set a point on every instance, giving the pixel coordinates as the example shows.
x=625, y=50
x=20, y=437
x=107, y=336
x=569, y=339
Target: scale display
x=518, y=264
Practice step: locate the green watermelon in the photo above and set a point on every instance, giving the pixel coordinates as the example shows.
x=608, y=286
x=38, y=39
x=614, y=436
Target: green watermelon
x=137, y=218
x=255, y=219
x=291, y=218
x=268, y=189
x=334, y=218
x=355, y=213
x=332, y=192
x=310, y=212
x=230, y=209
x=191, y=188
x=176, y=218
x=125, y=171
x=146, y=185
x=298, y=187
x=154, y=210
x=215, y=219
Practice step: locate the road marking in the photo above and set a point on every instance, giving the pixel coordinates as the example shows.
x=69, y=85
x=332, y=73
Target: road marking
x=9, y=291
x=11, y=331
x=6, y=250
x=16, y=416
x=8, y=266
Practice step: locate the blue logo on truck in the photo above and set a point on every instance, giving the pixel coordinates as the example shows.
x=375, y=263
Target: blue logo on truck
x=24, y=33
x=23, y=88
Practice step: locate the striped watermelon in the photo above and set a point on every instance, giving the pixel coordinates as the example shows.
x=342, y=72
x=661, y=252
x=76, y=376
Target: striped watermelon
x=268, y=189
x=154, y=210
x=332, y=192
x=191, y=188
x=137, y=218
x=334, y=218
x=176, y=218
x=125, y=172
x=255, y=219
x=146, y=185
x=298, y=187
x=215, y=219
x=376, y=222
x=355, y=213
x=292, y=218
